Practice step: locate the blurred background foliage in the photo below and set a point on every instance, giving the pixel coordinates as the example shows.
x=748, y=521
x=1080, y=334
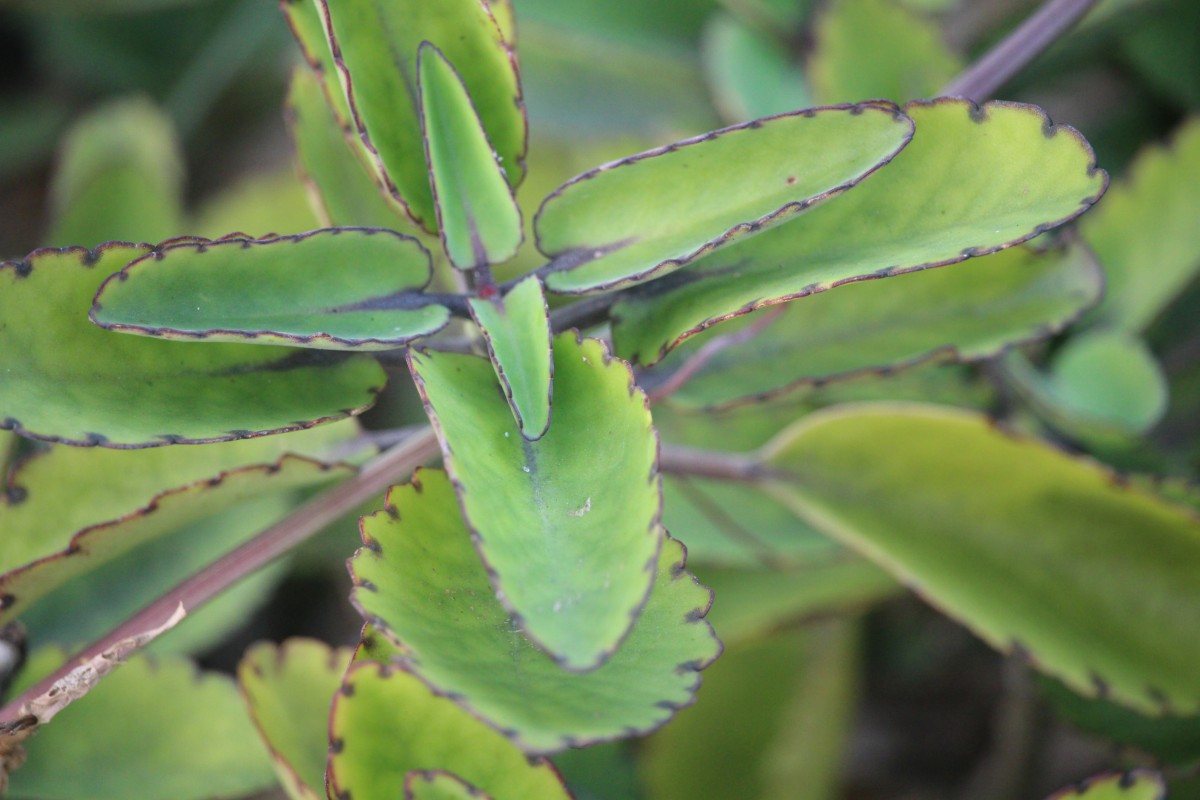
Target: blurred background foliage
x=175, y=106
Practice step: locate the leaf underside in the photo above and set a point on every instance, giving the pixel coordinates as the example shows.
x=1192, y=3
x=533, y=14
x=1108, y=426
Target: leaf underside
x=1036, y=551
x=421, y=584
x=570, y=542
x=649, y=214
x=1014, y=175
x=69, y=381
x=333, y=288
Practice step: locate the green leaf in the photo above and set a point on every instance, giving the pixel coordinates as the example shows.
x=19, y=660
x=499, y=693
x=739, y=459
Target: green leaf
x=751, y=76
x=1036, y=551
x=517, y=331
x=1169, y=739
x=570, y=543
x=135, y=392
x=1012, y=176
x=1137, y=785
x=752, y=604
x=132, y=560
x=68, y=510
x=120, y=176
x=438, y=785
x=1102, y=385
x=1145, y=232
x=304, y=19
x=288, y=691
x=168, y=732
x=375, y=44
x=732, y=523
x=340, y=187
x=477, y=214
x=583, y=83
x=966, y=314
x=506, y=18
x=386, y=724
x=334, y=289
x=277, y=200
x=774, y=716
x=420, y=582
x=617, y=225
x=1113, y=377
x=877, y=48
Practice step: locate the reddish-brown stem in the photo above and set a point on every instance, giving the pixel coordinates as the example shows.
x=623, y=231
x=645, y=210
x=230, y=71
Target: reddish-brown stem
x=711, y=464
x=983, y=78
x=218, y=576
x=702, y=356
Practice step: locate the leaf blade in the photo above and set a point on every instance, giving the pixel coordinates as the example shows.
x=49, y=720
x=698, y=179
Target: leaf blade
x=520, y=345
x=478, y=217
x=613, y=226
x=974, y=204
x=574, y=556
x=276, y=291
x=965, y=517
x=446, y=626
x=184, y=394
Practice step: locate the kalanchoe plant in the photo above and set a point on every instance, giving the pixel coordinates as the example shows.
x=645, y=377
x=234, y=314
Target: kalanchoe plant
x=532, y=594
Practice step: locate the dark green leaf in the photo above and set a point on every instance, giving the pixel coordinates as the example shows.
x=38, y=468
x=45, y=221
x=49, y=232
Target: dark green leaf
x=1170, y=739
x=66, y=380
x=334, y=288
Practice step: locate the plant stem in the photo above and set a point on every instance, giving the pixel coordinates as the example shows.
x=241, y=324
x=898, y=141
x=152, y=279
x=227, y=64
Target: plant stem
x=689, y=368
x=981, y=80
x=711, y=464
x=300, y=525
